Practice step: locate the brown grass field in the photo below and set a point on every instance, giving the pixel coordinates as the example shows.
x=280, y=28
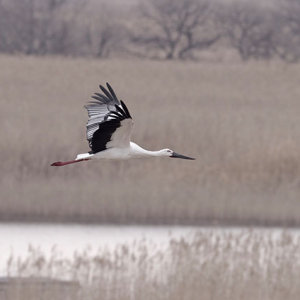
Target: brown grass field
x=213, y=265
x=240, y=121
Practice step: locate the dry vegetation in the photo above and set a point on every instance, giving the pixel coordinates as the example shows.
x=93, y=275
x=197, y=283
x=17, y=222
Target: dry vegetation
x=246, y=264
x=241, y=122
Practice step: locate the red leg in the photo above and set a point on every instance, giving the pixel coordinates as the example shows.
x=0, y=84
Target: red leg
x=63, y=163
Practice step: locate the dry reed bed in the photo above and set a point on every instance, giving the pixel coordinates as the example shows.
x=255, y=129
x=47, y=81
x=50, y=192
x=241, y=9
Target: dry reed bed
x=244, y=264
x=241, y=122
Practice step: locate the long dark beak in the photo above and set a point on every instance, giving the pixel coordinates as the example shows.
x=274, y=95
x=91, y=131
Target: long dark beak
x=176, y=155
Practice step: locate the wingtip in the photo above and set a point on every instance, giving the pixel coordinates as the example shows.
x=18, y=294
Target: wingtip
x=111, y=90
x=126, y=110
x=109, y=86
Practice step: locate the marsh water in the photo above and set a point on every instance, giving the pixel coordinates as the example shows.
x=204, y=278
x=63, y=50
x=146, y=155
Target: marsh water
x=67, y=239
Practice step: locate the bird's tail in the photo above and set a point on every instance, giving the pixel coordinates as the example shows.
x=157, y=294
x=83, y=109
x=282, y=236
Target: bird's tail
x=83, y=156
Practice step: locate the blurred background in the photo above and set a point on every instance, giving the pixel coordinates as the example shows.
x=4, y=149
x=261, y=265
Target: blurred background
x=216, y=80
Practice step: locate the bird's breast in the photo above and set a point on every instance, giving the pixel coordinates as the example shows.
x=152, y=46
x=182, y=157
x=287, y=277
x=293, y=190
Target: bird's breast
x=113, y=153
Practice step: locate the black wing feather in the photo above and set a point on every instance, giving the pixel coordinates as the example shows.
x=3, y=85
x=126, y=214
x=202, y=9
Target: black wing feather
x=112, y=92
x=108, y=95
x=103, y=135
x=106, y=115
x=126, y=110
x=101, y=97
x=121, y=111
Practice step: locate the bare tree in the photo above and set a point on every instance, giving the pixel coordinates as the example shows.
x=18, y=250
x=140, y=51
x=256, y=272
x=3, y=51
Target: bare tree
x=6, y=31
x=102, y=31
x=287, y=24
x=34, y=26
x=17, y=26
x=248, y=29
x=175, y=28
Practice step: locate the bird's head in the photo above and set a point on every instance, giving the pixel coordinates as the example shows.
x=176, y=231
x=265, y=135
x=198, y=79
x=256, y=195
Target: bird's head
x=171, y=153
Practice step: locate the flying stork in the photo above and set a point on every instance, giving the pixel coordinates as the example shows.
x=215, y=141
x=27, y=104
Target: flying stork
x=108, y=132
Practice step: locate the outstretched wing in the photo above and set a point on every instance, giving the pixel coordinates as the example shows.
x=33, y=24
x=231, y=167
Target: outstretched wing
x=110, y=123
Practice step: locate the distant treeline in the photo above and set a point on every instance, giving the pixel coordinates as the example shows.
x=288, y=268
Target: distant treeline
x=156, y=29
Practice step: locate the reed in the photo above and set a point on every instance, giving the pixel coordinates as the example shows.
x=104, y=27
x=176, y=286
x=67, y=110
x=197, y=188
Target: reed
x=247, y=264
x=240, y=121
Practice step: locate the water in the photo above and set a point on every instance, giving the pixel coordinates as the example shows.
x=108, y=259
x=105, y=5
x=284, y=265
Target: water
x=15, y=238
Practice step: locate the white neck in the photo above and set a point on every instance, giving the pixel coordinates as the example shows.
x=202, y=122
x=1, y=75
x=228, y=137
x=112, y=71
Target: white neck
x=138, y=151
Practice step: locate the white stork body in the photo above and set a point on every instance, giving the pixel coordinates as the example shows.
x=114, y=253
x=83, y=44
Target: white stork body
x=109, y=131
x=133, y=151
